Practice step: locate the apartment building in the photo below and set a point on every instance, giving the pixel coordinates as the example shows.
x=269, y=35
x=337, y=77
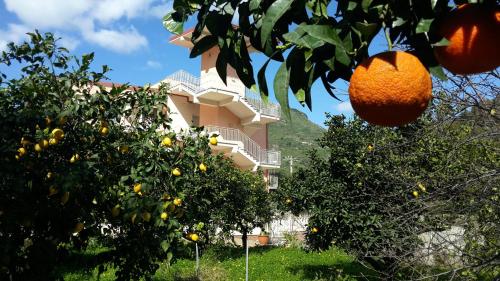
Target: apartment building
x=232, y=111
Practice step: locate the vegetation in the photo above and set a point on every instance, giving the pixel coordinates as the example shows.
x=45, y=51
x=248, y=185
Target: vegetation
x=221, y=263
x=324, y=40
x=292, y=136
x=81, y=161
x=382, y=189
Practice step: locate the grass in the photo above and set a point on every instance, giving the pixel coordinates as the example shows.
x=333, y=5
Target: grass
x=228, y=263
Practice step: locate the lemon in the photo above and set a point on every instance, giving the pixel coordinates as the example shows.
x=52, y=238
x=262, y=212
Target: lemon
x=24, y=141
x=104, y=131
x=177, y=201
x=78, y=227
x=370, y=148
x=146, y=216
x=288, y=200
x=176, y=172
x=50, y=175
x=115, y=211
x=194, y=237
x=48, y=121
x=164, y=216
x=22, y=151
x=314, y=230
x=166, y=196
x=74, y=158
x=213, y=141
x=203, y=167
x=166, y=141
x=65, y=198
x=421, y=187
x=137, y=187
x=415, y=194
x=44, y=144
x=58, y=134
x=53, y=141
x=17, y=157
x=38, y=148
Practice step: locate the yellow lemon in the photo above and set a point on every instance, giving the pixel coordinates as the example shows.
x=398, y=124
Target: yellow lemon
x=44, y=144
x=146, y=216
x=370, y=148
x=58, y=134
x=166, y=196
x=115, y=211
x=415, y=194
x=203, y=167
x=164, y=216
x=176, y=172
x=213, y=141
x=22, y=151
x=194, y=237
x=24, y=141
x=74, y=158
x=78, y=227
x=166, y=141
x=53, y=141
x=137, y=187
x=421, y=187
x=50, y=175
x=288, y=201
x=314, y=230
x=17, y=157
x=65, y=198
x=104, y=131
x=177, y=201
x=38, y=148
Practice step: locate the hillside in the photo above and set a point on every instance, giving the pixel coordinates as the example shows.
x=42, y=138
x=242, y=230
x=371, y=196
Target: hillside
x=294, y=138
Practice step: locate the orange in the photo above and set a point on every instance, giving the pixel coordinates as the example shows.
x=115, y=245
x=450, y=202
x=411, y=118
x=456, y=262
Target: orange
x=473, y=34
x=390, y=89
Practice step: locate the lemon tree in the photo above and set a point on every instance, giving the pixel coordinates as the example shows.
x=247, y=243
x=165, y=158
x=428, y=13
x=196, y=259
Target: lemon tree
x=381, y=189
x=80, y=161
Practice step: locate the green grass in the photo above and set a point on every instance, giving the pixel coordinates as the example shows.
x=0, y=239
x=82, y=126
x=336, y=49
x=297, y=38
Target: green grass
x=228, y=263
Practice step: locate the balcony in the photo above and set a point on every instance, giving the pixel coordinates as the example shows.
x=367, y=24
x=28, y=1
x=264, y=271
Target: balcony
x=245, y=104
x=244, y=151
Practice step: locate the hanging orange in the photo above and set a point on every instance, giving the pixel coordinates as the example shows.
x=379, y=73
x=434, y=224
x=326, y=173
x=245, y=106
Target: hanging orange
x=473, y=32
x=390, y=89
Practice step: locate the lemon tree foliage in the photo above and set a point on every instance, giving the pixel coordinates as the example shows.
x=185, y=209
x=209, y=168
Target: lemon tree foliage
x=81, y=161
x=314, y=40
x=383, y=192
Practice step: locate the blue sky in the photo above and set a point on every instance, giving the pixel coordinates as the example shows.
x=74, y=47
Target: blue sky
x=128, y=36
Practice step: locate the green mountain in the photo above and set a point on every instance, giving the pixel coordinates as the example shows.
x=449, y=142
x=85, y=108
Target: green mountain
x=294, y=138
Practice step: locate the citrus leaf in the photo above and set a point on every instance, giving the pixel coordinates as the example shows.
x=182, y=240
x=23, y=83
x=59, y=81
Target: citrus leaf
x=423, y=25
x=438, y=72
x=272, y=15
x=281, y=82
x=325, y=33
x=261, y=78
x=172, y=25
x=203, y=45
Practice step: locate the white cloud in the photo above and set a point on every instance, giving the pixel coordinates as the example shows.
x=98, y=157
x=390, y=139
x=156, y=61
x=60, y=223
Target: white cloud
x=95, y=20
x=123, y=41
x=153, y=64
x=14, y=33
x=344, y=107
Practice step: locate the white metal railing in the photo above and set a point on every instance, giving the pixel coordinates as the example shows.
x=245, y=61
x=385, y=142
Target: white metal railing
x=273, y=180
x=192, y=82
x=263, y=156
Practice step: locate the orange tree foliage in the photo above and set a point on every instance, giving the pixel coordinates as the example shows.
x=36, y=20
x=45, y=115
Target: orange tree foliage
x=81, y=162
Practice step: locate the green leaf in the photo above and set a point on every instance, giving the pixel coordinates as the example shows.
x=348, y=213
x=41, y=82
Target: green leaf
x=442, y=42
x=272, y=15
x=325, y=33
x=254, y=4
x=365, y=5
x=281, y=83
x=172, y=25
x=221, y=65
x=398, y=22
x=423, y=25
x=261, y=78
x=438, y=72
x=368, y=30
x=203, y=45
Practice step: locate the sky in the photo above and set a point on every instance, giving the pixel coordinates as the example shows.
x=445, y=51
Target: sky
x=128, y=36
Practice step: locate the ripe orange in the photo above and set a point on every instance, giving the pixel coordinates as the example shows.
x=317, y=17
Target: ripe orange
x=472, y=32
x=390, y=89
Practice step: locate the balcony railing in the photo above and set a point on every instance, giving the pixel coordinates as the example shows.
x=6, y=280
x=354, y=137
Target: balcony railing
x=263, y=156
x=192, y=82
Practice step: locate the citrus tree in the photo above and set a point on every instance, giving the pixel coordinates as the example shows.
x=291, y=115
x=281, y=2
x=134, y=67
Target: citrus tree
x=324, y=40
x=81, y=161
x=381, y=191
